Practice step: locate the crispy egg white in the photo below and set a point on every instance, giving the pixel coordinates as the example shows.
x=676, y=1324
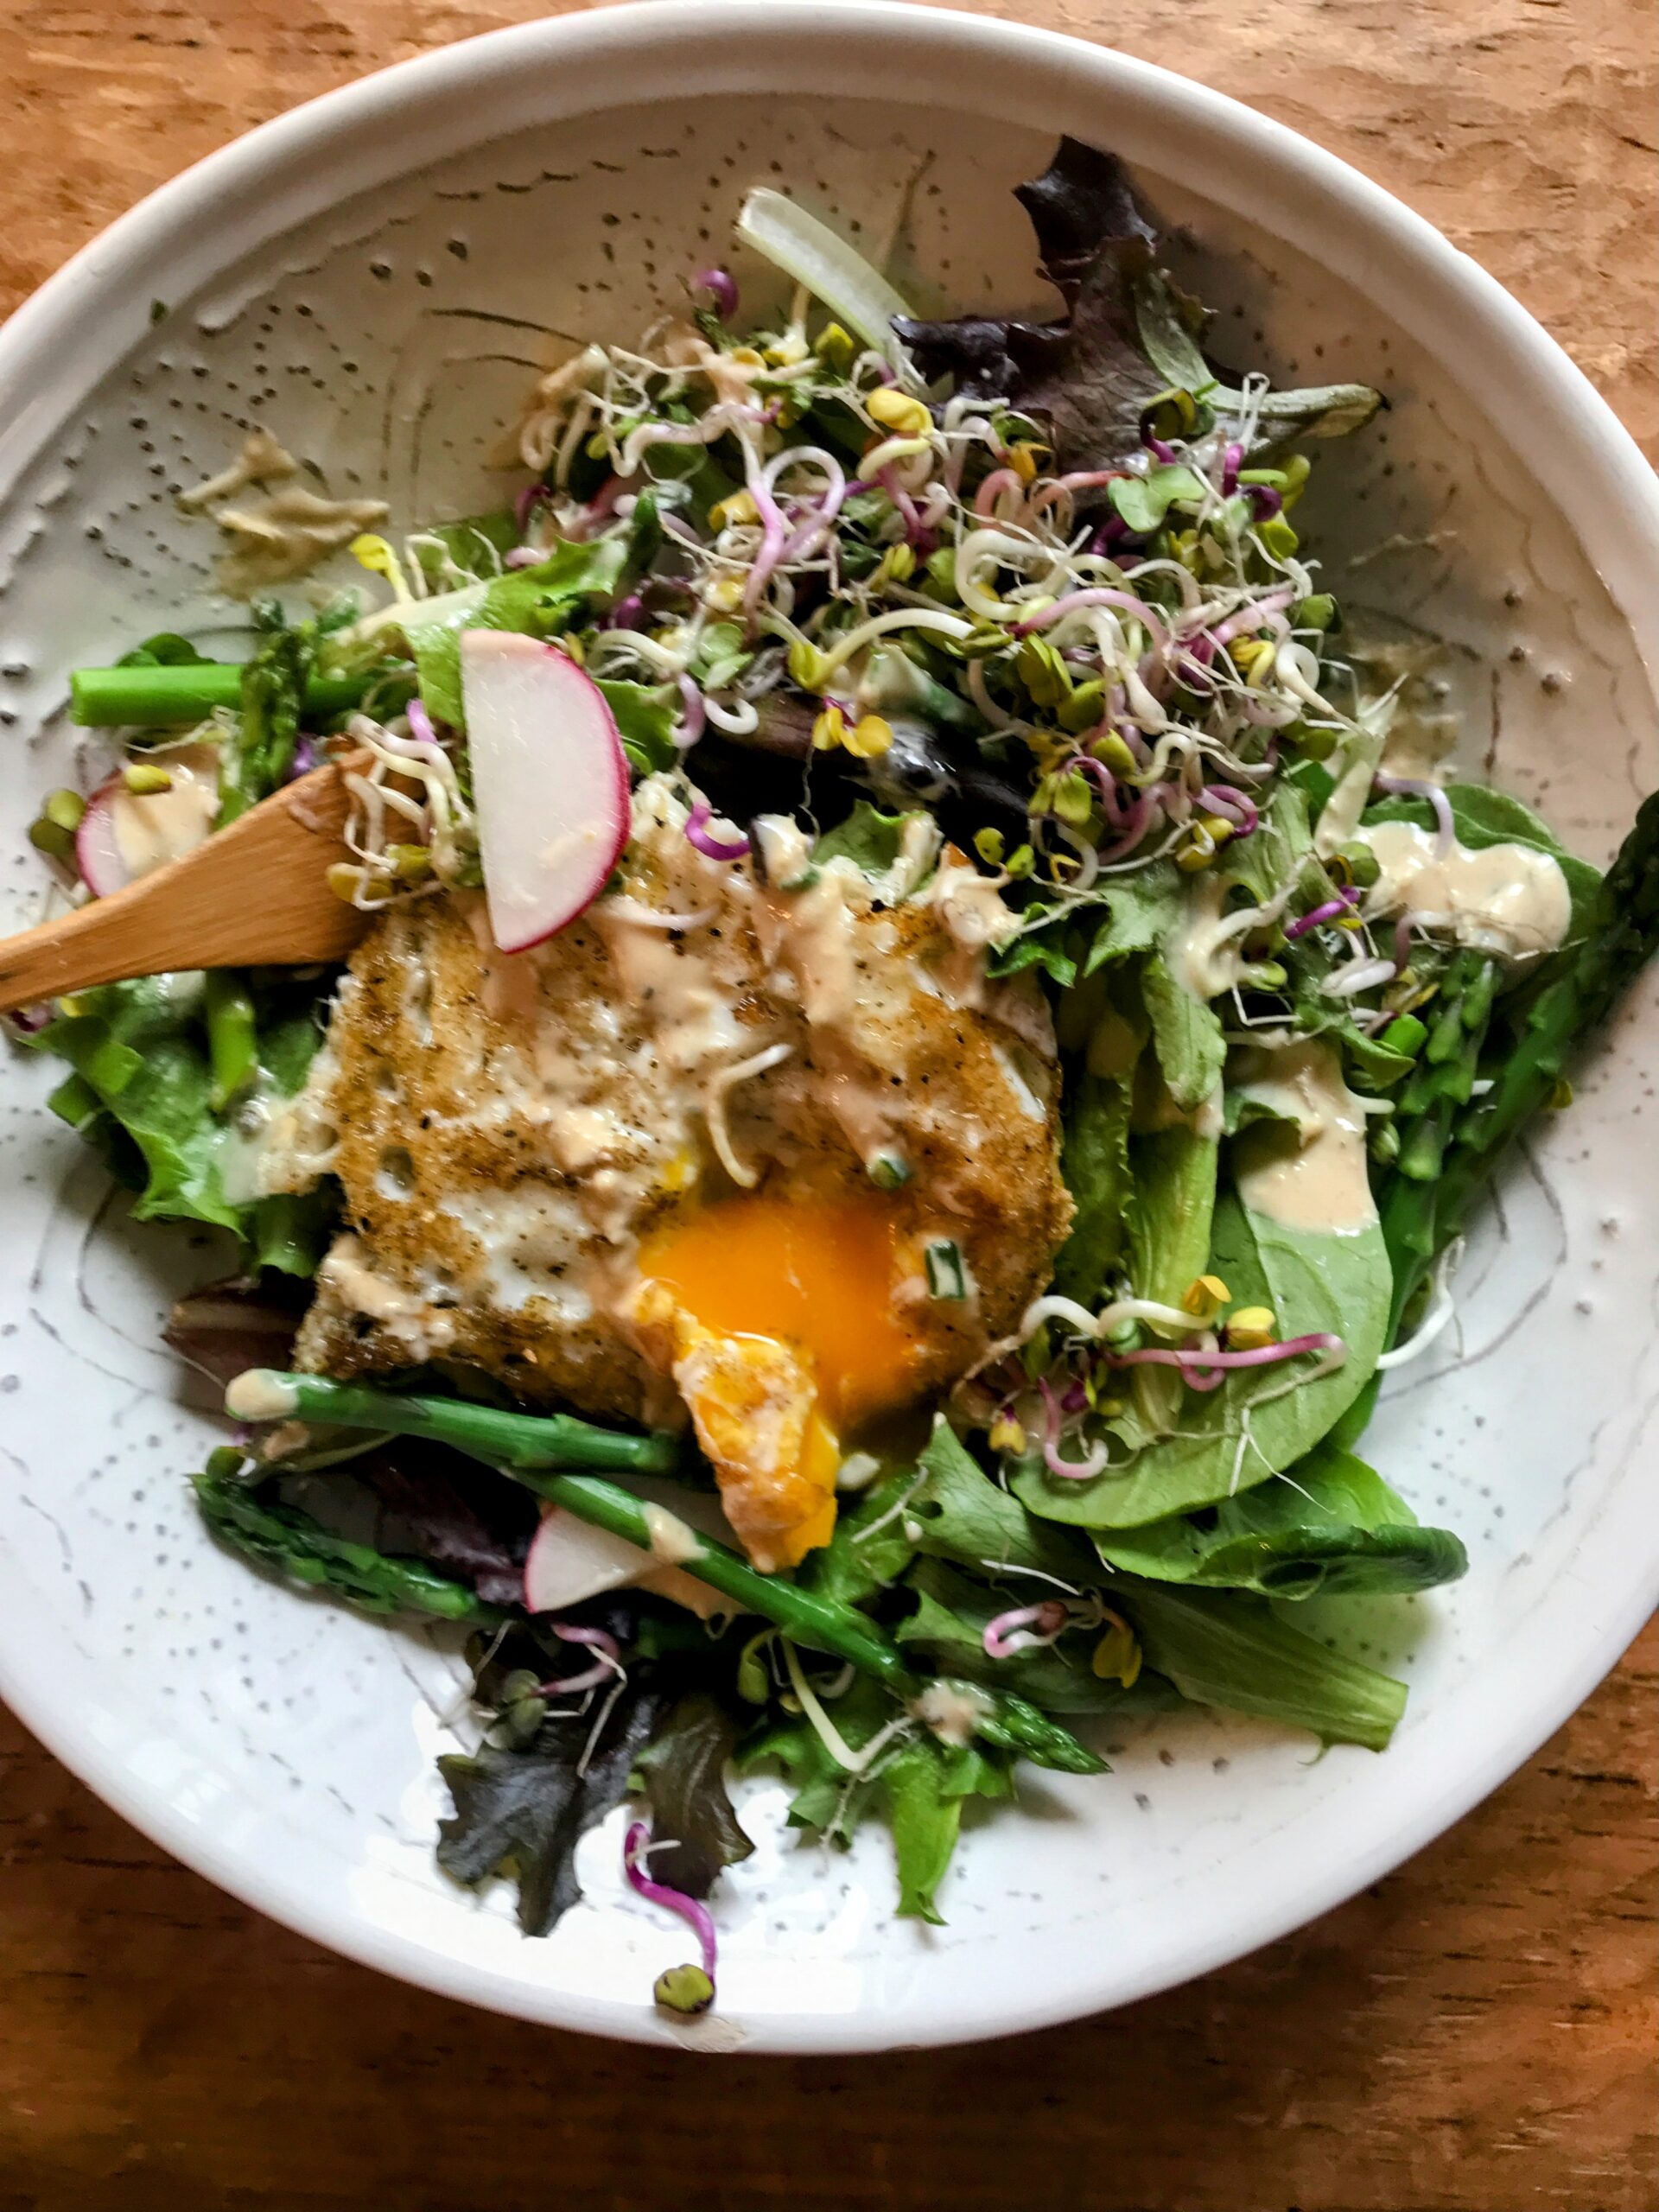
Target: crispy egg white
x=689, y=1155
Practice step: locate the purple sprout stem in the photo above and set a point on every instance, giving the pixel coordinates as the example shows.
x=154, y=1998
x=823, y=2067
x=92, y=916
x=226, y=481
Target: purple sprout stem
x=690, y=1910
x=1345, y=899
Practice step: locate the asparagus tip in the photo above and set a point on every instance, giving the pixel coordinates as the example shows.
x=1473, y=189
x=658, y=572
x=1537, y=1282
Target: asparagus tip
x=261, y=1394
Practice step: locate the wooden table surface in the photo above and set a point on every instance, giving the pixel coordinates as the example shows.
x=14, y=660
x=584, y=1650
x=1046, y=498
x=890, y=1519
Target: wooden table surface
x=1477, y=2034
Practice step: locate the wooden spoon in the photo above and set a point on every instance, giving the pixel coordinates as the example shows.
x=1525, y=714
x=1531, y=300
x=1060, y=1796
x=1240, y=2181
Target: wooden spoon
x=255, y=895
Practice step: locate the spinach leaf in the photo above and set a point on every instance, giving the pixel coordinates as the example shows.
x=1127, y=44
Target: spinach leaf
x=529, y=599
x=1315, y=1282
x=684, y=1769
x=1095, y=1167
x=960, y=1514
x=1329, y=1527
x=1186, y=1035
x=527, y=1809
x=1230, y=1651
x=868, y=1549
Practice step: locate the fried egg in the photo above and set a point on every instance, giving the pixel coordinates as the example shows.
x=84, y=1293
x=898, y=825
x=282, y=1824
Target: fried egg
x=705, y=1154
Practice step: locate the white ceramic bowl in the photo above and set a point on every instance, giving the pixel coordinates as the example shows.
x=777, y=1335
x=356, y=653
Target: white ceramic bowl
x=373, y=276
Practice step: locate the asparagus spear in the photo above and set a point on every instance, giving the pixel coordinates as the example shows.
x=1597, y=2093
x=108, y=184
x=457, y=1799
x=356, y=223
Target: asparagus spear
x=516, y=1442
x=232, y=1034
x=272, y=695
x=300, y=1547
x=530, y=1447
x=1420, y=1216
x=151, y=698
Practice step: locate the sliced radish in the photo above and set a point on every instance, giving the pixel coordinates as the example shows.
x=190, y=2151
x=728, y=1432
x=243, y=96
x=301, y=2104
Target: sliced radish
x=550, y=784
x=569, y=1560
x=97, y=854
x=125, y=834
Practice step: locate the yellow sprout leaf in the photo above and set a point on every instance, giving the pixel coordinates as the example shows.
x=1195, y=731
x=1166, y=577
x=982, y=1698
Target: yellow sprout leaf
x=897, y=410
x=830, y=730
x=868, y=738
x=1251, y=1329
x=738, y=507
x=1117, y=1656
x=1204, y=1296
x=375, y=555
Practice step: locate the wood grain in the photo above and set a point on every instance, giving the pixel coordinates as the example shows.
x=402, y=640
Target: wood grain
x=256, y=894
x=1477, y=2034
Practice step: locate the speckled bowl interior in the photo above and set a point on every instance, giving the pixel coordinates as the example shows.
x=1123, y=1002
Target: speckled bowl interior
x=377, y=280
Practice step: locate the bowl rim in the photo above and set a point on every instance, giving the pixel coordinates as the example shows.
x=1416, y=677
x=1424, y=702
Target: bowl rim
x=96, y=308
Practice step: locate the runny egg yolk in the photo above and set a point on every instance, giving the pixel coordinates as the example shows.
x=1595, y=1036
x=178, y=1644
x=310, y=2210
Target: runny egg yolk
x=815, y=1274
x=775, y=1316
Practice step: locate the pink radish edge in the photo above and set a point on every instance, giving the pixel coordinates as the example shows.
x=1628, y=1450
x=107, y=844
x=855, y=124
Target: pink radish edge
x=568, y=1560
x=550, y=784
x=97, y=851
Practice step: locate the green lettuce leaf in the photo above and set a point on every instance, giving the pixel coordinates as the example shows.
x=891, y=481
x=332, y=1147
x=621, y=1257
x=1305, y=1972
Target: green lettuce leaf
x=959, y=1513
x=1330, y=1526
x=1315, y=1282
x=868, y=837
x=140, y=1058
x=1095, y=1167
x=944, y=1507
x=474, y=542
x=1186, y=1035
x=868, y=1549
x=1230, y=1650
x=644, y=715
x=533, y=601
x=921, y=1786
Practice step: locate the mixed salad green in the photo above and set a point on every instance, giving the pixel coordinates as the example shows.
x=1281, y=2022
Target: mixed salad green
x=1043, y=582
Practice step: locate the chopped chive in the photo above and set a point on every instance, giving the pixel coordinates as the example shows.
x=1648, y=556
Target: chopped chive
x=888, y=1171
x=947, y=1271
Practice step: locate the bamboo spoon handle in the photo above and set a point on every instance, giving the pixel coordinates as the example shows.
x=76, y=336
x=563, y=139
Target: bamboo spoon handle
x=255, y=895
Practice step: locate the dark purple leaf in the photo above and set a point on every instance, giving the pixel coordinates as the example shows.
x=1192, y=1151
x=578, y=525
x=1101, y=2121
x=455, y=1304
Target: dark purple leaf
x=454, y=1513
x=1087, y=377
x=696, y=1830
x=529, y=1808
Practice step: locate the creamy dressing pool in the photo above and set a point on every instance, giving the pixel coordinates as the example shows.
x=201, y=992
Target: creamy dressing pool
x=1314, y=1177
x=152, y=828
x=1507, y=900
x=1205, y=951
